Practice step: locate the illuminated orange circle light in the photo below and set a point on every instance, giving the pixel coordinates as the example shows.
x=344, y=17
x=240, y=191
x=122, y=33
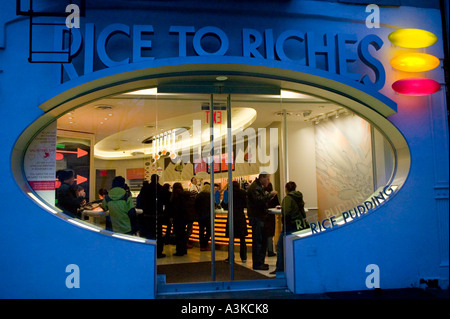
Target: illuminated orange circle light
x=412, y=38
x=415, y=62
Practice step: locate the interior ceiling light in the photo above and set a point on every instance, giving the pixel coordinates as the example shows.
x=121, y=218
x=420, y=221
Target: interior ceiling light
x=412, y=38
x=415, y=62
x=416, y=86
x=293, y=95
x=151, y=91
x=222, y=78
x=105, y=148
x=103, y=107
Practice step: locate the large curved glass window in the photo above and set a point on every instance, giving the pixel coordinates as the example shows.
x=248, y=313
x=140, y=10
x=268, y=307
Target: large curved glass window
x=338, y=160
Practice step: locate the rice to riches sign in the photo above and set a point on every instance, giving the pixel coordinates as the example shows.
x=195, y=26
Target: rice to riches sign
x=120, y=44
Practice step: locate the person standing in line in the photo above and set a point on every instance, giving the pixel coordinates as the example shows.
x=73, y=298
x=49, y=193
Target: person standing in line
x=294, y=219
x=102, y=192
x=269, y=223
x=203, y=209
x=151, y=199
x=66, y=194
x=257, y=212
x=167, y=220
x=192, y=214
x=194, y=187
x=239, y=220
x=178, y=210
x=120, y=206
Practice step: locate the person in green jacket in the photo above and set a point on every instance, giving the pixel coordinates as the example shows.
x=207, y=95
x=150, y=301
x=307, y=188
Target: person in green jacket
x=293, y=217
x=120, y=206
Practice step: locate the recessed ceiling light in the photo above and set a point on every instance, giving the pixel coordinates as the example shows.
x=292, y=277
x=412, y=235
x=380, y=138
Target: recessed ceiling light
x=293, y=95
x=103, y=107
x=152, y=91
x=222, y=78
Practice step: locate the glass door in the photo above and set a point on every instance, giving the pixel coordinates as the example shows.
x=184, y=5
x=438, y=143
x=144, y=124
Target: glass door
x=255, y=177
x=244, y=149
x=245, y=137
x=218, y=152
x=191, y=155
x=223, y=141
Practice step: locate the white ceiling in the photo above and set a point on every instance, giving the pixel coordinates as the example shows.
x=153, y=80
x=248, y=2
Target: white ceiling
x=120, y=123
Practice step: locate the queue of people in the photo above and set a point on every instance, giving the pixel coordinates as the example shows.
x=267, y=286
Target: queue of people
x=180, y=208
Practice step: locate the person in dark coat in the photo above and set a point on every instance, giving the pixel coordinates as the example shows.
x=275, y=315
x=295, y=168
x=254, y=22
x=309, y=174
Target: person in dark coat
x=66, y=194
x=269, y=223
x=239, y=219
x=167, y=220
x=203, y=209
x=151, y=199
x=179, y=205
x=257, y=211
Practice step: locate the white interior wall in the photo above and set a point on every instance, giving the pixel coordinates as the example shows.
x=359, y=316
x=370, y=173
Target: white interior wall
x=302, y=160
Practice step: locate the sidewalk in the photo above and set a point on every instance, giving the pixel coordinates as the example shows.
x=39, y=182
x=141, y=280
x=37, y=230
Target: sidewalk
x=408, y=293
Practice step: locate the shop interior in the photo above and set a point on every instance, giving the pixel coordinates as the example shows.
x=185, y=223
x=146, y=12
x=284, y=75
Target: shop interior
x=335, y=157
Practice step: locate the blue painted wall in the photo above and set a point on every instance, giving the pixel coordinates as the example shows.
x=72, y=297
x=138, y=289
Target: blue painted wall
x=407, y=238
x=36, y=246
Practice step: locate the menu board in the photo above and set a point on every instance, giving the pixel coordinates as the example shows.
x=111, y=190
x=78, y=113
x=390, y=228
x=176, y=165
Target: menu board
x=220, y=164
x=40, y=163
x=200, y=167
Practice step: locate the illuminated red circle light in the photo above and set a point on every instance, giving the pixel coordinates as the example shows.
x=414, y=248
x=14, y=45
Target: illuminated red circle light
x=416, y=86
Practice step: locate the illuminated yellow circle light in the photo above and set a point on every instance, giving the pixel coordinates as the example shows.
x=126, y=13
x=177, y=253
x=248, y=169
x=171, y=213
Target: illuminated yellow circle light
x=415, y=62
x=412, y=38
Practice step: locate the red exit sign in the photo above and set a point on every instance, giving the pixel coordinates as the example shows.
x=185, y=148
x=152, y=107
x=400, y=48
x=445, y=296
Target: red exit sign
x=217, y=117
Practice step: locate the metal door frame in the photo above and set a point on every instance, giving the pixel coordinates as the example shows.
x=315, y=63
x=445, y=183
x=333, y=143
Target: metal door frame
x=220, y=88
x=229, y=147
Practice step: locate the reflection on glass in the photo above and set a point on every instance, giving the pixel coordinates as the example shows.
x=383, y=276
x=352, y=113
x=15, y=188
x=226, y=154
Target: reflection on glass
x=336, y=159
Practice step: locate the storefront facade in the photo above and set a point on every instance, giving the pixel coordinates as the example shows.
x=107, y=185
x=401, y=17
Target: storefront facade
x=334, y=59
